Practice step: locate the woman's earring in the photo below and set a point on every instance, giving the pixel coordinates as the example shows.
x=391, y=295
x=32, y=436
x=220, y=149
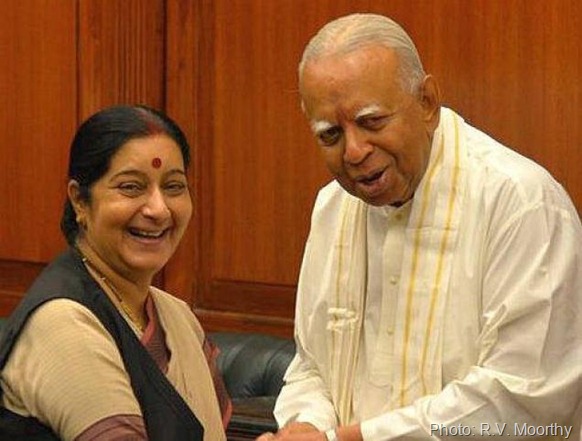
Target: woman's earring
x=81, y=222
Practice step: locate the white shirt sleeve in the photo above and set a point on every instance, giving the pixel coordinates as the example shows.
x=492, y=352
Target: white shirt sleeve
x=530, y=346
x=305, y=397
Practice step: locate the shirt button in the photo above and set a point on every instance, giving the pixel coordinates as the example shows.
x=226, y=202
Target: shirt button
x=393, y=280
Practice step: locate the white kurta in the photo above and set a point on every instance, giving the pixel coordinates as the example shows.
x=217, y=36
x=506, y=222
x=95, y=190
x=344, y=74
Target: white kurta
x=512, y=336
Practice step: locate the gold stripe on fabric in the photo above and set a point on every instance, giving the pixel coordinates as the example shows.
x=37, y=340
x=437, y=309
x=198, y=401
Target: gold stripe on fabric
x=413, y=269
x=339, y=267
x=347, y=386
x=444, y=242
x=334, y=339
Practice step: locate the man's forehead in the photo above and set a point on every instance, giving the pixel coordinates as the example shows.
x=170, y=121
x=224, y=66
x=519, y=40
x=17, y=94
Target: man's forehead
x=319, y=125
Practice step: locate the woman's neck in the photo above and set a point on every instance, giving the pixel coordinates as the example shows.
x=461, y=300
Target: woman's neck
x=128, y=295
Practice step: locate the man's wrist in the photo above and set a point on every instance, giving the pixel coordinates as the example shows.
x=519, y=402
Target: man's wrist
x=331, y=435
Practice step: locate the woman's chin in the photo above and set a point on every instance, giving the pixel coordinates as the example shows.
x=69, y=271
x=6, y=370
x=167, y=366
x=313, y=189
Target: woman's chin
x=145, y=268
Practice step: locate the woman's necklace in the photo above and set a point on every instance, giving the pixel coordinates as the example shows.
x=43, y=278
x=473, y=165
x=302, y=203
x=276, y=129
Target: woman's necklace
x=112, y=288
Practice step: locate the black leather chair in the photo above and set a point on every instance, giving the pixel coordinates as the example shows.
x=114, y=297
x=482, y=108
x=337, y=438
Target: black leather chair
x=252, y=366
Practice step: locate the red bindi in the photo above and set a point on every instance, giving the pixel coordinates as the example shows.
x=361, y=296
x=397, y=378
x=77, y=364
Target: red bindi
x=156, y=163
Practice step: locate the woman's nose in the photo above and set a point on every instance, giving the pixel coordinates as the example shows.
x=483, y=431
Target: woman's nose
x=156, y=206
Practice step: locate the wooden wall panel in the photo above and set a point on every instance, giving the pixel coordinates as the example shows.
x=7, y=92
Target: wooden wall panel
x=121, y=53
x=15, y=278
x=266, y=168
x=192, y=75
x=187, y=50
x=37, y=116
x=510, y=68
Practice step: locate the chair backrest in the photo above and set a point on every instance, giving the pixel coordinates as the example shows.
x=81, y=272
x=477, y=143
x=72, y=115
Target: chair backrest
x=252, y=365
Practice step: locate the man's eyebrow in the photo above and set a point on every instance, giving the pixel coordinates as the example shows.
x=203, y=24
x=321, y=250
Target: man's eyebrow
x=367, y=111
x=320, y=126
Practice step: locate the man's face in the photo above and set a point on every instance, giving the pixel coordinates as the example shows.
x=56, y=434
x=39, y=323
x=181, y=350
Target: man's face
x=375, y=137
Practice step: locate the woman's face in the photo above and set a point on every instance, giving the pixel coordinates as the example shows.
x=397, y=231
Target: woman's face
x=139, y=210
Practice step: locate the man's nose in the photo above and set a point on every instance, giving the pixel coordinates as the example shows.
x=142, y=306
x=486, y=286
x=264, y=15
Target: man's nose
x=357, y=147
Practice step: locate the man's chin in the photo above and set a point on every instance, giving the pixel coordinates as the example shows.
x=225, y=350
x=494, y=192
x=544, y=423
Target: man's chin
x=380, y=200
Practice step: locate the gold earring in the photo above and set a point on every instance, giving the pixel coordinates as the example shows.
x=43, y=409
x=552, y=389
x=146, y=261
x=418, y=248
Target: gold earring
x=81, y=222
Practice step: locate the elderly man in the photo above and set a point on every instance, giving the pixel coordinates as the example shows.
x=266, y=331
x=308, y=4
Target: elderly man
x=441, y=286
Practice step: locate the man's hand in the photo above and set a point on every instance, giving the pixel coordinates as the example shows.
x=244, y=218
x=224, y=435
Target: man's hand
x=308, y=432
x=294, y=432
x=295, y=427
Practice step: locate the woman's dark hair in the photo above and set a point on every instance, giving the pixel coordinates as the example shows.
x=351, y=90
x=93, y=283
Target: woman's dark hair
x=100, y=137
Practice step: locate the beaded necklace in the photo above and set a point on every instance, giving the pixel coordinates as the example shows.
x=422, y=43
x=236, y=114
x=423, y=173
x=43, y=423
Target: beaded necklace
x=112, y=288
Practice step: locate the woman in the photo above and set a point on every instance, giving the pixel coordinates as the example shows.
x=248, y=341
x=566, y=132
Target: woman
x=94, y=352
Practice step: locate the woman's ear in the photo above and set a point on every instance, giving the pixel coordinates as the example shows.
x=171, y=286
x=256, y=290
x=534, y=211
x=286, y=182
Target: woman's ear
x=77, y=201
x=430, y=98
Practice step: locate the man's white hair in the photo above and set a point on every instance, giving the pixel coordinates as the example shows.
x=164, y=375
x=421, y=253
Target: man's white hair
x=355, y=31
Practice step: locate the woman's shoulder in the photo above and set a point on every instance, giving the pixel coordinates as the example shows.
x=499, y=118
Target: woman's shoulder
x=59, y=313
x=167, y=300
x=175, y=312
x=59, y=324
x=62, y=356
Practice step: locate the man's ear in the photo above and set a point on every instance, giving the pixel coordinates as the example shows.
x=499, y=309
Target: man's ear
x=430, y=99
x=77, y=201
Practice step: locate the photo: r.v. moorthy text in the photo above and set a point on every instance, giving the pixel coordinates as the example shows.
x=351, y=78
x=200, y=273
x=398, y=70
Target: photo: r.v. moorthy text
x=501, y=429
